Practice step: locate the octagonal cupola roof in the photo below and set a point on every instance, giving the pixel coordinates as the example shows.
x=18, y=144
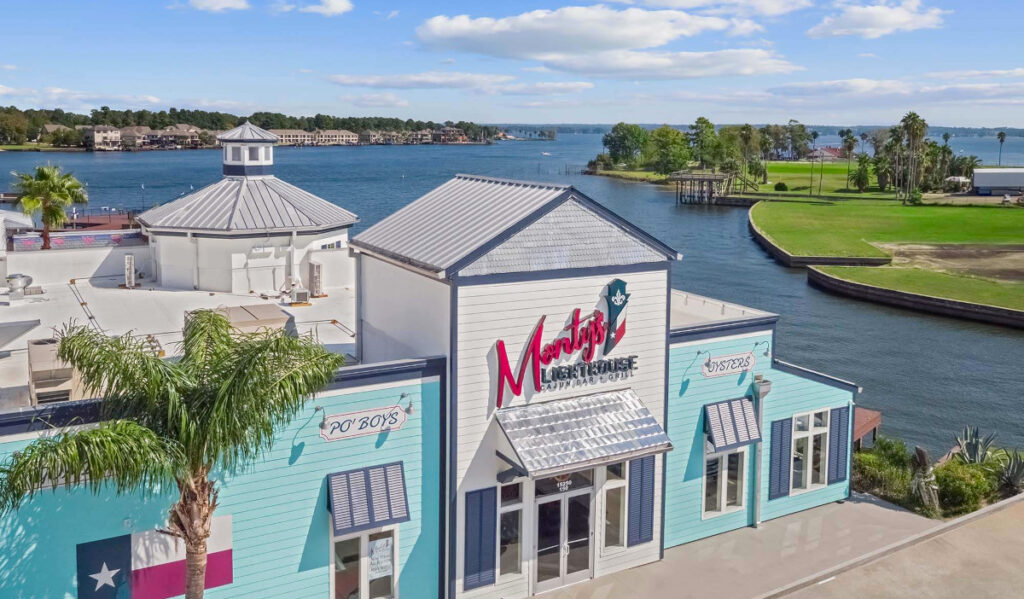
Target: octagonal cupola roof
x=248, y=150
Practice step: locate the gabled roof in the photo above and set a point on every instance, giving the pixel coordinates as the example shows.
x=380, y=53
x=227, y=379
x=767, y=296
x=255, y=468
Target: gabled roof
x=248, y=204
x=452, y=226
x=247, y=132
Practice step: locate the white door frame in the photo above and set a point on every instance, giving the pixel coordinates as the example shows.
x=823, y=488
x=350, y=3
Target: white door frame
x=563, y=579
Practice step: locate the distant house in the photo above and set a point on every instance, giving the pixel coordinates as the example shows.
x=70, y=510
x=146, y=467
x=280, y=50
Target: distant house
x=50, y=128
x=102, y=137
x=371, y=137
x=449, y=135
x=392, y=138
x=423, y=136
x=335, y=137
x=294, y=137
x=135, y=137
x=180, y=135
x=825, y=153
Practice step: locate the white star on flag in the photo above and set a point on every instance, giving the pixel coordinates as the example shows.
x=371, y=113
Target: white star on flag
x=104, y=577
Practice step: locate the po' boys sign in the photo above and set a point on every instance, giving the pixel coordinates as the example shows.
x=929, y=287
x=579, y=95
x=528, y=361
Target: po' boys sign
x=728, y=364
x=582, y=338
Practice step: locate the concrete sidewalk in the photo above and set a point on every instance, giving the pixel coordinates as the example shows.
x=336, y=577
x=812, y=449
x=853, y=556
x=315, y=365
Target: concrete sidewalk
x=981, y=558
x=751, y=562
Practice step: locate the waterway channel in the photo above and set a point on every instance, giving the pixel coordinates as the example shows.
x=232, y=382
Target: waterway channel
x=930, y=375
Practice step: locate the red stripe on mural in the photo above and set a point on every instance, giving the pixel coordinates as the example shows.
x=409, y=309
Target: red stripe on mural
x=620, y=332
x=168, y=580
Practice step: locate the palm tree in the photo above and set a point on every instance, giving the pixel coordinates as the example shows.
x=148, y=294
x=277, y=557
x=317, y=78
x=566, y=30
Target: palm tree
x=849, y=144
x=49, y=192
x=863, y=140
x=883, y=170
x=915, y=128
x=861, y=177
x=814, y=138
x=178, y=422
x=1001, y=136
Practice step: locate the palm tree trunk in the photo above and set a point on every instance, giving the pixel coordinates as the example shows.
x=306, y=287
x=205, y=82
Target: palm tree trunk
x=195, y=563
x=46, y=236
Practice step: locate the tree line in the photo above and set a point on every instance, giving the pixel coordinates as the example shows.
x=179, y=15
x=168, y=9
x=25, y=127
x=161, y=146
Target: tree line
x=17, y=125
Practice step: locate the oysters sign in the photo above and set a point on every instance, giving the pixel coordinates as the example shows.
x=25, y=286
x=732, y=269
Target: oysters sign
x=583, y=336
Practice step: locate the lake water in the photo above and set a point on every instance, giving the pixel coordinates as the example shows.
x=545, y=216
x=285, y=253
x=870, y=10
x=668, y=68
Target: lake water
x=929, y=375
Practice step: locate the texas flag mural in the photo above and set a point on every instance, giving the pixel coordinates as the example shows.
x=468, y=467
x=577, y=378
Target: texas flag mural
x=616, y=298
x=149, y=565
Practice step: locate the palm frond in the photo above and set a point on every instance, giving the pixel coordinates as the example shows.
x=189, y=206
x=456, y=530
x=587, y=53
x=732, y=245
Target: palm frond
x=120, y=453
x=207, y=340
x=271, y=376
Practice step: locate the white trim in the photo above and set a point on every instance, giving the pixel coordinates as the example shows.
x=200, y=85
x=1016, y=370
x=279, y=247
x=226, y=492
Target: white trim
x=767, y=330
x=811, y=432
x=606, y=486
x=520, y=506
x=723, y=482
x=364, y=557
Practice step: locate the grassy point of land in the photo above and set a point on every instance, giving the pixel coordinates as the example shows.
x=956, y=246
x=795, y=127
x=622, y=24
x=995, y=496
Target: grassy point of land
x=1004, y=294
x=648, y=176
x=848, y=228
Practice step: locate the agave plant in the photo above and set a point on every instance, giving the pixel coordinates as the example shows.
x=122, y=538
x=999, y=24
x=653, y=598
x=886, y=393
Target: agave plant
x=973, y=448
x=1012, y=476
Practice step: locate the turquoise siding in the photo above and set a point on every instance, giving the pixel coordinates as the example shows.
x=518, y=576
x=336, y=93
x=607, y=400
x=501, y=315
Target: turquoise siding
x=688, y=391
x=280, y=523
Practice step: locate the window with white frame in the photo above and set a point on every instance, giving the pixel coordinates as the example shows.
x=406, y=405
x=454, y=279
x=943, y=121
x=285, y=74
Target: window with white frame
x=236, y=154
x=364, y=565
x=510, y=530
x=254, y=153
x=724, y=477
x=615, y=506
x=810, y=451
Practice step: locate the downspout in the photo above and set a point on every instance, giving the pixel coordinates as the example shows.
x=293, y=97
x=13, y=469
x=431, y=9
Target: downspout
x=195, y=260
x=761, y=388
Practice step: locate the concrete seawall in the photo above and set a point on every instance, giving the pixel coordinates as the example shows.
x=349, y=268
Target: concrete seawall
x=787, y=259
x=915, y=301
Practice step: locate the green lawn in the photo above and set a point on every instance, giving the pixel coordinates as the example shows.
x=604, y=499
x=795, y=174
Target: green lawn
x=937, y=284
x=844, y=228
x=649, y=176
x=830, y=178
x=27, y=147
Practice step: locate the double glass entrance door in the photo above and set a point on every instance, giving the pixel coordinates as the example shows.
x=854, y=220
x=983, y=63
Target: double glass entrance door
x=563, y=539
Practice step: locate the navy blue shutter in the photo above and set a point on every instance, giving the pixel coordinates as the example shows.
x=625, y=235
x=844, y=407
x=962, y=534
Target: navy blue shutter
x=480, y=529
x=780, y=457
x=838, y=444
x=641, y=501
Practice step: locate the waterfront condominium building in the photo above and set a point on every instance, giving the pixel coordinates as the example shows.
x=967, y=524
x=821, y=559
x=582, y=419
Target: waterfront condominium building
x=527, y=402
x=335, y=137
x=102, y=137
x=294, y=137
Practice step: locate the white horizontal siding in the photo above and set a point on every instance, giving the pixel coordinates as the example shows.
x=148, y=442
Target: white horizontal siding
x=510, y=312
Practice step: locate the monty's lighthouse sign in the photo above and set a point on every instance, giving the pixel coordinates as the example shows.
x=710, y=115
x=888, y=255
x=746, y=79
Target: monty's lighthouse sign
x=582, y=337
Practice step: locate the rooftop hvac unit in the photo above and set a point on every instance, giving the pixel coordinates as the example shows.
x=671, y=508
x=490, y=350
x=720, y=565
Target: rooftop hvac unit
x=316, y=280
x=299, y=296
x=129, y=271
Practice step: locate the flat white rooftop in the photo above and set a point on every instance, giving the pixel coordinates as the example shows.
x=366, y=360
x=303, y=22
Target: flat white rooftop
x=689, y=309
x=154, y=311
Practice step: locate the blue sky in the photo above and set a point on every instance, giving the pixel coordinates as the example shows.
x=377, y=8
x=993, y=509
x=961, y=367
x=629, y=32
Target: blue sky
x=819, y=61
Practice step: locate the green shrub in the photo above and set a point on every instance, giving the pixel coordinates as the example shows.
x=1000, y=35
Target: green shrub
x=781, y=186
x=874, y=473
x=963, y=487
x=893, y=451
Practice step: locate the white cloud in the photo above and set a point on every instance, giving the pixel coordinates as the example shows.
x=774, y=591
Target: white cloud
x=768, y=8
x=867, y=55
x=305, y=71
x=572, y=29
x=61, y=96
x=219, y=5
x=448, y=61
x=391, y=14
x=427, y=80
x=15, y=91
x=281, y=7
x=542, y=88
x=843, y=87
x=329, y=8
x=631, y=65
x=975, y=74
x=875, y=20
x=537, y=69
x=381, y=100
x=8, y=67
x=604, y=42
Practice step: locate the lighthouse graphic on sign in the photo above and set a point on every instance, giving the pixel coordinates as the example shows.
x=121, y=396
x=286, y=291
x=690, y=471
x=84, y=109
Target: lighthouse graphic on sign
x=617, y=299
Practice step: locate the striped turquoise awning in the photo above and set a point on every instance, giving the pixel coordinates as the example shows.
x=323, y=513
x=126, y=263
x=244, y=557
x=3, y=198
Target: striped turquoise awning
x=367, y=498
x=731, y=424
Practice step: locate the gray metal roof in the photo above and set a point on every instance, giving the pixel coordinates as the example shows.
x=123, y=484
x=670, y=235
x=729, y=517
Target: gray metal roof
x=451, y=221
x=248, y=204
x=568, y=434
x=541, y=246
x=731, y=424
x=247, y=132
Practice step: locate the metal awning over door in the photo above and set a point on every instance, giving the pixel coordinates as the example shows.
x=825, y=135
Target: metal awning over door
x=582, y=432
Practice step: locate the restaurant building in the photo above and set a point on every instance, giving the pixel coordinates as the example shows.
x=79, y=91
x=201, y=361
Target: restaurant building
x=528, y=404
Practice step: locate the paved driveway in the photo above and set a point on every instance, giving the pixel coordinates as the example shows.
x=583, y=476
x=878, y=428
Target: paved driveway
x=981, y=558
x=751, y=562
